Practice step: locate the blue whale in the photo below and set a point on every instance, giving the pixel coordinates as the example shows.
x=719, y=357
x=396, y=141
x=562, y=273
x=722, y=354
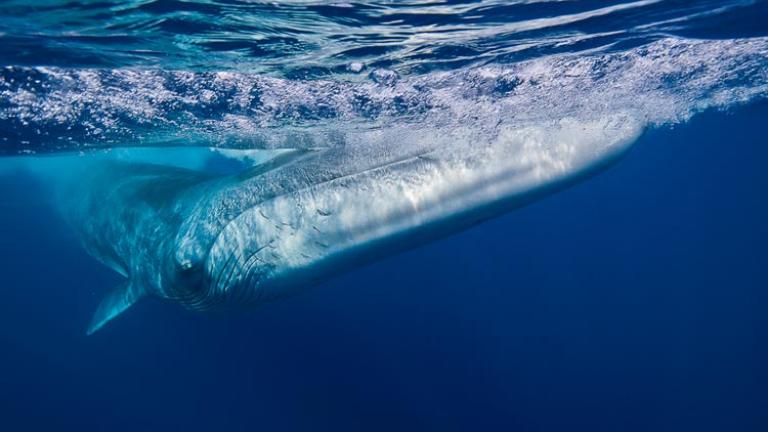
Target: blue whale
x=219, y=241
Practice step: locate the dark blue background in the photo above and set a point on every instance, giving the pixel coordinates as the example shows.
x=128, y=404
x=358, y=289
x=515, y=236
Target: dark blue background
x=634, y=301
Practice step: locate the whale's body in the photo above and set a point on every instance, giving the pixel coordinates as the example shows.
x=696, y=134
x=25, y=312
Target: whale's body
x=212, y=242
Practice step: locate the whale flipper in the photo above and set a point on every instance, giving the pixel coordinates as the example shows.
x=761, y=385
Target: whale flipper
x=116, y=302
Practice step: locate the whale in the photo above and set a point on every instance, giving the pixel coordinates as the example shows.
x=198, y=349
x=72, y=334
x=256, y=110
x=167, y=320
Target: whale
x=223, y=241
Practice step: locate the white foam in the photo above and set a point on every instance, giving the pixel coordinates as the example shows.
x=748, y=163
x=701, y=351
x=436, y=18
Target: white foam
x=663, y=82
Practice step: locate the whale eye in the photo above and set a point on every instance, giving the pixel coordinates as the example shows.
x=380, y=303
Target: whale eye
x=188, y=256
x=190, y=245
x=184, y=264
x=184, y=279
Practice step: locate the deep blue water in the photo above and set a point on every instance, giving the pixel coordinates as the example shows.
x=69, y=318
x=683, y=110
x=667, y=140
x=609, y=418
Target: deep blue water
x=634, y=300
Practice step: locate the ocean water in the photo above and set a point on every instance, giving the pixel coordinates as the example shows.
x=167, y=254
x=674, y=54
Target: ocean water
x=633, y=298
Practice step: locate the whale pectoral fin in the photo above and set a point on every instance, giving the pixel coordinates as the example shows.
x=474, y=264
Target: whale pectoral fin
x=115, y=303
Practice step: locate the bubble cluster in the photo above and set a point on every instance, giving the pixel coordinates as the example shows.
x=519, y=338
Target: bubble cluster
x=45, y=109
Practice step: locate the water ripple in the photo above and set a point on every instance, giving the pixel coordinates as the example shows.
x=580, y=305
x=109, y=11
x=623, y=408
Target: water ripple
x=312, y=39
